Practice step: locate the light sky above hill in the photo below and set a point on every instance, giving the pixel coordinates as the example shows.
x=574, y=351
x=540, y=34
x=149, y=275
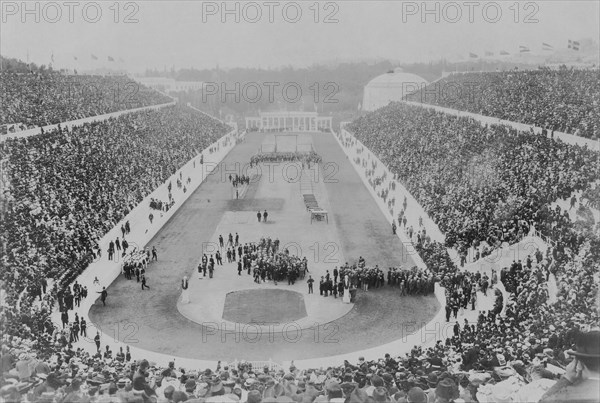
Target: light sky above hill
x=199, y=34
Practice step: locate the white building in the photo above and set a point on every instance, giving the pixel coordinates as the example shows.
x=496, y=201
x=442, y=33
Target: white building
x=167, y=85
x=389, y=87
x=296, y=121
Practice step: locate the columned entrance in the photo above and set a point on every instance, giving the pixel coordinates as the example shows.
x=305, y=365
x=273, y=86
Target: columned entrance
x=289, y=121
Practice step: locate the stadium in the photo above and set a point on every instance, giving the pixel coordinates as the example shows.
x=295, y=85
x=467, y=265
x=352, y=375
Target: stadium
x=431, y=236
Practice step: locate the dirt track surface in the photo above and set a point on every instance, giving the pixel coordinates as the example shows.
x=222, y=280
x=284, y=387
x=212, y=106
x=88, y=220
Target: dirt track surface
x=150, y=319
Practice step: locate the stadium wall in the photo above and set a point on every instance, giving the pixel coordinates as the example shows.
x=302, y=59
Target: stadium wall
x=79, y=122
x=565, y=137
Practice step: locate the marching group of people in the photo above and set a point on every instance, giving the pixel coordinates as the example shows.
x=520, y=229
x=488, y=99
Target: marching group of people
x=306, y=158
x=265, y=262
x=135, y=264
x=413, y=281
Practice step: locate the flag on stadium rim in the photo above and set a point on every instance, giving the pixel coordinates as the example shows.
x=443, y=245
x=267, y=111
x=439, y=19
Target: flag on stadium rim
x=110, y=59
x=488, y=53
x=473, y=55
x=504, y=53
x=74, y=57
x=546, y=46
x=94, y=57
x=523, y=49
x=573, y=45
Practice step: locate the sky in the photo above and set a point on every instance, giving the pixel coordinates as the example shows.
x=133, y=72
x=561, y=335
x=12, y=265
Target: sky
x=271, y=34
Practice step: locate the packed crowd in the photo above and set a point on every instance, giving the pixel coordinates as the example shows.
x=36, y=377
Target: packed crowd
x=157, y=204
x=239, y=180
x=411, y=281
x=514, y=352
x=563, y=100
x=306, y=158
x=507, y=188
x=67, y=188
x=39, y=97
x=478, y=183
x=436, y=374
x=269, y=263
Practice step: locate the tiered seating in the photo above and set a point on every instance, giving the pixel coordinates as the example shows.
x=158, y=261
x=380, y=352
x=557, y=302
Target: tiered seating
x=565, y=100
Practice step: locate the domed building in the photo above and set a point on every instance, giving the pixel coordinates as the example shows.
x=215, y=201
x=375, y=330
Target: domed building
x=392, y=86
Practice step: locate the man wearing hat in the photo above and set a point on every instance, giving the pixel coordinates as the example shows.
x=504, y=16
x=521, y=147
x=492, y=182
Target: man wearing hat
x=74, y=394
x=254, y=396
x=581, y=381
x=446, y=391
x=432, y=381
x=140, y=385
x=333, y=393
x=190, y=387
x=217, y=388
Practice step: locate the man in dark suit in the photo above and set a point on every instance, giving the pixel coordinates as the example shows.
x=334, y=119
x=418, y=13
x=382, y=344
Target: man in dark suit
x=144, y=282
x=265, y=215
x=103, y=295
x=310, y=282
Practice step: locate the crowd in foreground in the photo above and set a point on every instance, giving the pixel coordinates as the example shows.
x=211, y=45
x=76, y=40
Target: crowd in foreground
x=31, y=96
x=421, y=375
x=563, y=100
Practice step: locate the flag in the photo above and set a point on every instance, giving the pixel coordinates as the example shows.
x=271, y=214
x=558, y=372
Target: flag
x=473, y=55
x=523, y=49
x=94, y=57
x=546, y=46
x=504, y=53
x=573, y=45
x=110, y=59
x=74, y=57
x=488, y=53
x=52, y=57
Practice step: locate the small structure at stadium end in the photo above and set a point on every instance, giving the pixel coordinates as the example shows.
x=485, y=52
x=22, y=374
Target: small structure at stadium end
x=294, y=121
